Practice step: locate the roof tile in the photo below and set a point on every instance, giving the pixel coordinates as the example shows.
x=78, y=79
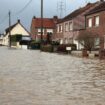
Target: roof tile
x=47, y=22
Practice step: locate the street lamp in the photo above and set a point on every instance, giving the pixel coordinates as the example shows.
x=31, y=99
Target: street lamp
x=41, y=21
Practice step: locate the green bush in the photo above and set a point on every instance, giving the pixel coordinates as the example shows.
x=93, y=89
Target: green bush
x=16, y=38
x=35, y=44
x=47, y=48
x=55, y=43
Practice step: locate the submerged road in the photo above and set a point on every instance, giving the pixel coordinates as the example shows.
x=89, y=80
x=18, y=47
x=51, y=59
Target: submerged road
x=30, y=77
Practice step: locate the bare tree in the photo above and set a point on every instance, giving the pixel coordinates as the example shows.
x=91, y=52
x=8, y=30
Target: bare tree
x=49, y=35
x=88, y=39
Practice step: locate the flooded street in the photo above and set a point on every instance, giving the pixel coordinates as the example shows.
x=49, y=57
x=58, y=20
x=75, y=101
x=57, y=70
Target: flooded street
x=37, y=78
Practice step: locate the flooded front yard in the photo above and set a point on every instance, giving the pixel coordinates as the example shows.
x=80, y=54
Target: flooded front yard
x=37, y=78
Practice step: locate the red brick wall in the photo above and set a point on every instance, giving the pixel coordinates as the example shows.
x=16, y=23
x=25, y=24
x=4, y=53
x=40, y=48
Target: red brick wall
x=58, y=35
x=100, y=30
x=78, y=23
x=32, y=30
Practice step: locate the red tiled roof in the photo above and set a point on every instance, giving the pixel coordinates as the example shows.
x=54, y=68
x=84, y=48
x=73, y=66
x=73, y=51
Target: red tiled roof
x=99, y=8
x=47, y=22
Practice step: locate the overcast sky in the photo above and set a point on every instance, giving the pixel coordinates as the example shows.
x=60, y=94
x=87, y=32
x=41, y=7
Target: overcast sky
x=33, y=9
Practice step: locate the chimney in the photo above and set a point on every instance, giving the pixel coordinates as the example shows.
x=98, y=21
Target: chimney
x=55, y=19
x=18, y=20
x=88, y=4
x=34, y=17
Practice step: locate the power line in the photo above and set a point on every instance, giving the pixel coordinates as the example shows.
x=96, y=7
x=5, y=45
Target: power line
x=20, y=11
x=4, y=19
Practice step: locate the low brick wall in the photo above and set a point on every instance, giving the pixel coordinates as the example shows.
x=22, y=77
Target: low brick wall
x=91, y=55
x=76, y=53
x=102, y=54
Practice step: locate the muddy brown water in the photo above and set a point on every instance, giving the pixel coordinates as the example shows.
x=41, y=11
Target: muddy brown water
x=30, y=77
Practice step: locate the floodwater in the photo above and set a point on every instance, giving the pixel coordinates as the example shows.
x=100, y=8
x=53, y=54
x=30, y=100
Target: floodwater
x=30, y=77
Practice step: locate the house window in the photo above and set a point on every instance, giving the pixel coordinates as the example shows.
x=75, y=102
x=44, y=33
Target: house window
x=60, y=28
x=96, y=20
x=90, y=22
x=39, y=31
x=97, y=42
x=66, y=27
x=70, y=26
x=49, y=30
x=61, y=41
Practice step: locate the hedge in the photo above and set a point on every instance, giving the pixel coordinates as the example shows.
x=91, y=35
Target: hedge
x=47, y=48
x=34, y=45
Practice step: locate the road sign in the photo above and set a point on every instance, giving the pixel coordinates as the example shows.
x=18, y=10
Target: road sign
x=68, y=48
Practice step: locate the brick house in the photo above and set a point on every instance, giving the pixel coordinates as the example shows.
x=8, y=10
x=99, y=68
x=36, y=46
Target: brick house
x=95, y=22
x=68, y=28
x=49, y=26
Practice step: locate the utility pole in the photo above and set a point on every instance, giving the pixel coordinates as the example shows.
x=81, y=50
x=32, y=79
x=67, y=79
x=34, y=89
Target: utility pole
x=9, y=29
x=41, y=21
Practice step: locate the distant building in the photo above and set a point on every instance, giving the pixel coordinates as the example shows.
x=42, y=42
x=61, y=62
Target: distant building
x=68, y=28
x=16, y=29
x=1, y=39
x=49, y=26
